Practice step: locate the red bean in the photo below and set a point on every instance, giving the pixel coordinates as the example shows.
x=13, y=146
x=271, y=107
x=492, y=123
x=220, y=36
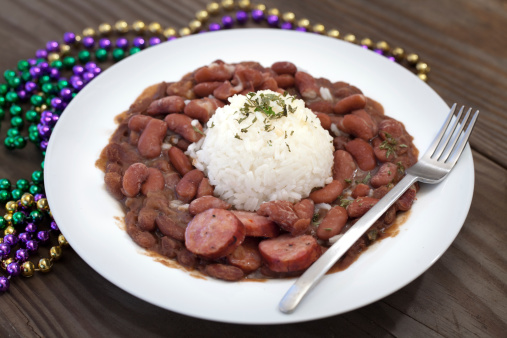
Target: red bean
x=204, y=188
x=284, y=68
x=202, y=109
x=225, y=90
x=166, y=105
x=138, y=122
x=134, y=176
x=179, y=160
x=168, y=227
x=224, y=272
x=183, y=88
x=391, y=128
x=206, y=202
x=325, y=121
x=214, y=72
x=186, y=189
x=113, y=183
x=154, y=182
x=386, y=174
x=333, y=223
x=362, y=153
x=205, y=89
x=360, y=190
x=285, y=81
x=381, y=153
x=350, y=103
x=182, y=125
x=246, y=256
x=344, y=167
x=406, y=200
x=321, y=107
x=306, y=85
x=269, y=84
x=358, y=127
x=328, y=194
x=169, y=247
x=146, y=219
x=150, y=141
x=360, y=206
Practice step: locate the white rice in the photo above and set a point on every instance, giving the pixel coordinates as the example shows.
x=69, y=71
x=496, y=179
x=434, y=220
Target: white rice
x=254, y=159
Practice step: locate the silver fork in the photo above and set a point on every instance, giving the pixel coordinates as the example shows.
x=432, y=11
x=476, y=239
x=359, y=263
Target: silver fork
x=433, y=167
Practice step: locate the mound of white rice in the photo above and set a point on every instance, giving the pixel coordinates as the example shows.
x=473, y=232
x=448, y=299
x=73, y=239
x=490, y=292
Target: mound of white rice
x=253, y=154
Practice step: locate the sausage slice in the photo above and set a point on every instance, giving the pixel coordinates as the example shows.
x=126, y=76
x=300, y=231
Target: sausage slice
x=214, y=233
x=257, y=225
x=287, y=253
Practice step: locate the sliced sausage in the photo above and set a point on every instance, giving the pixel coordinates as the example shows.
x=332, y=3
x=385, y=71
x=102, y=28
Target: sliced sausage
x=224, y=272
x=246, y=256
x=304, y=208
x=214, y=233
x=283, y=214
x=287, y=253
x=257, y=225
x=206, y=202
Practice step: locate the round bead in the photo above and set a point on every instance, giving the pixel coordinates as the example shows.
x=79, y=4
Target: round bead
x=51, y=46
x=214, y=27
x=35, y=189
x=5, y=248
x=228, y=5
x=122, y=43
x=18, y=218
x=44, y=265
x=32, y=245
x=134, y=50
x=62, y=241
x=422, y=68
x=64, y=49
x=28, y=199
x=382, y=45
x=319, y=28
x=366, y=42
x=69, y=62
x=195, y=25
x=55, y=252
x=19, y=142
x=13, y=269
x=105, y=28
x=423, y=77
x=24, y=237
x=4, y=283
x=9, y=230
x=88, y=42
x=169, y=32
x=27, y=269
x=155, y=28
x=288, y=17
x=213, y=8
x=6, y=262
x=15, y=110
x=138, y=26
x=69, y=37
x=11, y=206
x=139, y=42
x=398, y=53
x=36, y=100
x=5, y=184
x=118, y=54
x=11, y=239
x=52, y=57
x=273, y=20
x=350, y=38
x=31, y=227
x=304, y=23
x=185, y=31
x=12, y=97
x=101, y=54
x=88, y=32
x=241, y=17
x=4, y=196
x=22, y=184
x=22, y=255
x=257, y=15
x=202, y=16
x=43, y=236
x=412, y=59
x=244, y=4
x=36, y=216
x=274, y=11
x=105, y=43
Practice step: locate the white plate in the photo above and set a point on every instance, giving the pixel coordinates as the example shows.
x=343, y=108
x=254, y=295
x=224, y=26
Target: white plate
x=87, y=215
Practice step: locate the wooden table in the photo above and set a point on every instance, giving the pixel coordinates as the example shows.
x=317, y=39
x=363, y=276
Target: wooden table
x=463, y=294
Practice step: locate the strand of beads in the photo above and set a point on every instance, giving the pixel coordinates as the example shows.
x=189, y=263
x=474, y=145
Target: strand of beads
x=22, y=226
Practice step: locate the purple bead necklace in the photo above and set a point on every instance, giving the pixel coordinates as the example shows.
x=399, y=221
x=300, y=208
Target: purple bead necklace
x=40, y=88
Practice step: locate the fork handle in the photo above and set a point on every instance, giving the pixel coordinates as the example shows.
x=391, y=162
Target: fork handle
x=314, y=273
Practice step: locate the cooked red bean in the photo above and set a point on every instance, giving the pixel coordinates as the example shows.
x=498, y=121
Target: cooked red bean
x=214, y=233
x=257, y=225
x=182, y=144
x=206, y=202
x=321, y=106
x=204, y=188
x=146, y=219
x=390, y=128
x=214, y=72
x=154, y=182
x=283, y=214
x=186, y=259
x=247, y=78
x=269, y=84
x=325, y=121
x=358, y=127
x=204, y=89
x=381, y=151
x=179, y=160
x=246, y=256
x=306, y=85
x=202, y=109
x=304, y=208
x=363, y=153
x=166, y=105
x=340, y=141
x=226, y=90
x=138, y=122
x=113, y=183
x=390, y=215
x=285, y=81
x=406, y=200
x=380, y=192
x=333, y=223
x=182, y=125
x=224, y=272
x=169, y=247
x=134, y=176
x=360, y=206
x=344, y=167
x=350, y=103
x=328, y=194
x=360, y=190
x=284, y=68
x=150, y=141
x=287, y=253
x=386, y=174
x=168, y=227
x=186, y=189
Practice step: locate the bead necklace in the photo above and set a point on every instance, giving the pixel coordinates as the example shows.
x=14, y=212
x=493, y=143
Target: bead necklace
x=46, y=84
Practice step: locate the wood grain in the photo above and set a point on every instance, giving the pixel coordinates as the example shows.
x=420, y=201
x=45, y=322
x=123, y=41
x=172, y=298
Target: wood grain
x=462, y=295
